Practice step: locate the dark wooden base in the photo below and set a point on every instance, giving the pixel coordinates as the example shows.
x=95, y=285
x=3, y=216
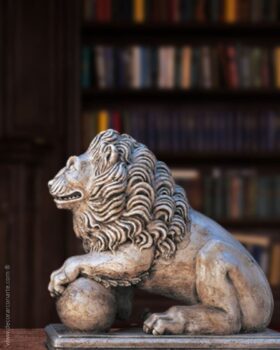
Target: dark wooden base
x=59, y=337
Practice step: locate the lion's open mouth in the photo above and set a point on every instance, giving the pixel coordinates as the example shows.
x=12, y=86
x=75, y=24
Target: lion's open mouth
x=69, y=197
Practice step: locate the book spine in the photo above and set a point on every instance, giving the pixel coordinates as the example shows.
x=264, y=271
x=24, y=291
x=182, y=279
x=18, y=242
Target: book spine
x=206, y=72
x=100, y=67
x=230, y=11
x=136, y=67
x=170, y=68
x=277, y=66
x=186, y=67
x=139, y=11
x=86, y=68
x=174, y=11
x=103, y=120
x=215, y=10
x=232, y=70
x=89, y=10
x=116, y=121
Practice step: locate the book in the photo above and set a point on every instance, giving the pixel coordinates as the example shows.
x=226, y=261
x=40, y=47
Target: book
x=174, y=11
x=190, y=180
x=231, y=67
x=274, y=276
x=206, y=80
x=186, y=58
x=136, y=67
x=200, y=10
x=277, y=66
x=170, y=68
x=89, y=8
x=86, y=58
x=102, y=120
x=257, y=11
x=162, y=56
x=230, y=11
x=89, y=127
x=139, y=11
x=256, y=61
x=100, y=68
x=195, y=67
x=116, y=121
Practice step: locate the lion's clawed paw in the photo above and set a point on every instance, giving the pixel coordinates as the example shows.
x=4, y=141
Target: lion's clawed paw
x=163, y=323
x=57, y=283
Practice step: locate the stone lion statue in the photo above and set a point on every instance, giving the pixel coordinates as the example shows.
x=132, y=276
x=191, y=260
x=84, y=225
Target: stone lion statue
x=138, y=230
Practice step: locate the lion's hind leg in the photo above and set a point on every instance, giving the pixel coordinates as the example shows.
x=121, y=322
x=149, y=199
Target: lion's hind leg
x=218, y=311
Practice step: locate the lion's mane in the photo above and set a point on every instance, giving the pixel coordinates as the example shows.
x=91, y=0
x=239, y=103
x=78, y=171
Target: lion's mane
x=136, y=199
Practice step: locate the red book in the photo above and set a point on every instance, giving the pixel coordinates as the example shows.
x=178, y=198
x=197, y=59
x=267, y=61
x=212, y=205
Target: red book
x=232, y=68
x=116, y=121
x=107, y=10
x=99, y=10
x=174, y=11
x=103, y=10
x=200, y=10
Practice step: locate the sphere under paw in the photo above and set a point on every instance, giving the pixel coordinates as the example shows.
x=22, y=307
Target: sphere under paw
x=87, y=306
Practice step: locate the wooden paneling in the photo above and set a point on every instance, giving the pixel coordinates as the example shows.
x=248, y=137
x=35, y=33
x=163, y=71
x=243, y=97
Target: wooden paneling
x=31, y=75
x=37, y=106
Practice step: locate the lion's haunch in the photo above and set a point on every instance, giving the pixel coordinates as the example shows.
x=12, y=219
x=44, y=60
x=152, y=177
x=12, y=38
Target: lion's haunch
x=87, y=306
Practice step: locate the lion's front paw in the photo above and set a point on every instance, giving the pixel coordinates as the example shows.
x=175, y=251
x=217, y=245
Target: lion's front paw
x=57, y=283
x=163, y=323
x=65, y=275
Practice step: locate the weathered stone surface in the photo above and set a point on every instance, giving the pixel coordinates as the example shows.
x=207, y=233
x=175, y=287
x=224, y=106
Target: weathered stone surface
x=58, y=337
x=92, y=306
x=138, y=229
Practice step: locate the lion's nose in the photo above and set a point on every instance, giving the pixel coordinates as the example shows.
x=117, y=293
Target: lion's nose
x=50, y=184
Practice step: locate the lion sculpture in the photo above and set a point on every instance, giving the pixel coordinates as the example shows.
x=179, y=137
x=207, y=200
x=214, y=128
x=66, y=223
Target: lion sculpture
x=138, y=230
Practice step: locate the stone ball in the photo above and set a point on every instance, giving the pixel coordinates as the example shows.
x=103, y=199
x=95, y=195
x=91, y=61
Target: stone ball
x=86, y=305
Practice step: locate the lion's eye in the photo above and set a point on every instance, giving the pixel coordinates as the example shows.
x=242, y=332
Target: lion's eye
x=73, y=163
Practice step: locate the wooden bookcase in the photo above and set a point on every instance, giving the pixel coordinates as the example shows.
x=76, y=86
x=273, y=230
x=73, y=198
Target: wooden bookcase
x=93, y=33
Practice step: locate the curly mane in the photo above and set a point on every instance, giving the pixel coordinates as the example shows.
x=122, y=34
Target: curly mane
x=136, y=199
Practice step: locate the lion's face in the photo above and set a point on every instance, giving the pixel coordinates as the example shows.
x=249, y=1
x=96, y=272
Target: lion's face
x=69, y=186
x=73, y=184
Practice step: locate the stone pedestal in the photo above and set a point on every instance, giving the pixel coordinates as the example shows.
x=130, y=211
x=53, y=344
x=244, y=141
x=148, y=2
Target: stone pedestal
x=59, y=337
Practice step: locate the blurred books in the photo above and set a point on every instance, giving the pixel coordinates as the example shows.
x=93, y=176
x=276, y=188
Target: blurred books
x=237, y=66
x=186, y=130
x=236, y=194
x=232, y=194
x=181, y=11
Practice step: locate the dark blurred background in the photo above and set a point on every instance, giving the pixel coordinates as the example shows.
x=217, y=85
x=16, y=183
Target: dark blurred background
x=197, y=81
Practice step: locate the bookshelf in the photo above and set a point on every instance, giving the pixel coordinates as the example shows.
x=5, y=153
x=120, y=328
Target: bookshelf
x=261, y=32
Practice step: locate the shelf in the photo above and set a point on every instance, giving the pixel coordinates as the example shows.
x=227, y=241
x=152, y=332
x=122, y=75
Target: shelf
x=250, y=224
x=208, y=159
x=180, y=32
x=165, y=96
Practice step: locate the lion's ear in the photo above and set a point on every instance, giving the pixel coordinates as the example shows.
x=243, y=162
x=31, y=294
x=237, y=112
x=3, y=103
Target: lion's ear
x=111, y=154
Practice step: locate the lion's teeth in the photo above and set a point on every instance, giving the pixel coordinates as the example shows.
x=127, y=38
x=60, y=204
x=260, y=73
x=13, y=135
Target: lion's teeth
x=69, y=197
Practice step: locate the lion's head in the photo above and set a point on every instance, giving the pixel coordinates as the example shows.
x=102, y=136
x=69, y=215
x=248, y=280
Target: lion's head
x=118, y=191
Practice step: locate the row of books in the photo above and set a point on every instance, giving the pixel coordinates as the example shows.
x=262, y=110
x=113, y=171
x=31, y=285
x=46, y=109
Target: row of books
x=188, y=129
x=181, y=11
x=233, y=194
x=226, y=194
x=169, y=67
x=265, y=248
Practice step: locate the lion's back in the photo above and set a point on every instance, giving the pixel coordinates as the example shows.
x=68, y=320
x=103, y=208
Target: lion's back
x=252, y=288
